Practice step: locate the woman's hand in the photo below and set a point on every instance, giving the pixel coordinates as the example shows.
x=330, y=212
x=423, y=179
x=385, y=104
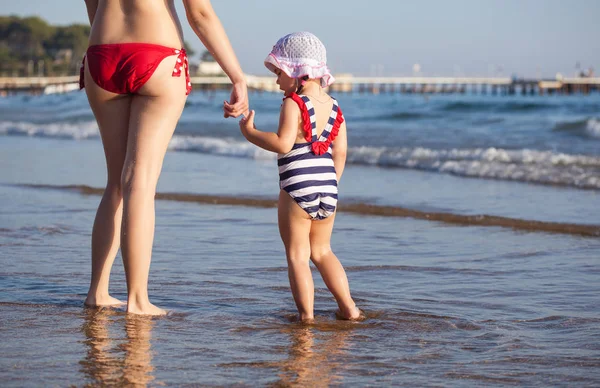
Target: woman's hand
x=247, y=124
x=238, y=102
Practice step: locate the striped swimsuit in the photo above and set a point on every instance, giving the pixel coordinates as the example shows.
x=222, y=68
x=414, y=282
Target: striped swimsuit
x=307, y=172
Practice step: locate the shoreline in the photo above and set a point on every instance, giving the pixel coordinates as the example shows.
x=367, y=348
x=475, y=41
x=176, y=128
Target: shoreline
x=363, y=209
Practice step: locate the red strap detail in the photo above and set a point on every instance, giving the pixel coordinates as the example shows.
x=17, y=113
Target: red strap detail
x=320, y=147
x=182, y=61
x=306, y=125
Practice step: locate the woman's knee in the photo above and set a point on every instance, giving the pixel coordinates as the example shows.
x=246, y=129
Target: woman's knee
x=136, y=182
x=114, y=190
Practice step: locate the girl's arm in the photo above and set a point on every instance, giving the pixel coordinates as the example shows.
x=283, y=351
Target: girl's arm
x=340, y=147
x=280, y=142
x=92, y=6
x=206, y=24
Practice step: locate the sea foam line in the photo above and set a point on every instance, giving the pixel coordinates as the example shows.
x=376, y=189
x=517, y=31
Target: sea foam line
x=522, y=165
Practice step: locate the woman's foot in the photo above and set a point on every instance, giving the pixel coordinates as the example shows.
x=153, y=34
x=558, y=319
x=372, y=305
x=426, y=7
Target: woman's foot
x=145, y=309
x=102, y=301
x=352, y=314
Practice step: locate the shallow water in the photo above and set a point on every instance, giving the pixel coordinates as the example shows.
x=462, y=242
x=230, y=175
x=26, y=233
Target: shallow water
x=445, y=305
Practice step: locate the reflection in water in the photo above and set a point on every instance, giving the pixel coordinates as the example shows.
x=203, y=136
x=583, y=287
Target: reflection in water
x=138, y=356
x=114, y=357
x=100, y=364
x=316, y=354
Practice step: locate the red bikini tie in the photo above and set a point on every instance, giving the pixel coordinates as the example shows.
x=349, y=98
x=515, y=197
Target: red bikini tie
x=182, y=61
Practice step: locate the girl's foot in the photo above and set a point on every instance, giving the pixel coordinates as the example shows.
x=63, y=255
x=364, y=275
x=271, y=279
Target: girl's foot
x=353, y=314
x=106, y=301
x=305, y=318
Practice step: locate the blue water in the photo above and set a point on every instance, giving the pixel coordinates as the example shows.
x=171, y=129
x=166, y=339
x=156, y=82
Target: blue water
x=446, y=304
x=551, y=140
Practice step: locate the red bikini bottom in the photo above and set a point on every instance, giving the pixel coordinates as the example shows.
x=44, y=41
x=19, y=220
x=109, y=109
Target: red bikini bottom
x=123, y=68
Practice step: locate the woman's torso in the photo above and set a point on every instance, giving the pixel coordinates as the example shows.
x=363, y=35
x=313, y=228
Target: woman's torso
x=143, y=21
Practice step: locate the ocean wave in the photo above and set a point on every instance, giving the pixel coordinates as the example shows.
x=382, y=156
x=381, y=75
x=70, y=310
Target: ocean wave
x=219, y=146
x=64, y=130
x=522, y=165
x=398, y=116
x=589, y=127
x=486, y=106
x=361, y=208
x=541, y=167
x=593, y=127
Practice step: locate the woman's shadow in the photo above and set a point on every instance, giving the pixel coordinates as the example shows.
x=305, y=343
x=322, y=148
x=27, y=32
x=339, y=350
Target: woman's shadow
x=114, y=357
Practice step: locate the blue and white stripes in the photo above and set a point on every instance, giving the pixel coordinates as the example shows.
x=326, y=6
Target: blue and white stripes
x=313, y=119
x=308, y=178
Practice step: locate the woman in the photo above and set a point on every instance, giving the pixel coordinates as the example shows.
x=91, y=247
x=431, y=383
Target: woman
x=136, y=78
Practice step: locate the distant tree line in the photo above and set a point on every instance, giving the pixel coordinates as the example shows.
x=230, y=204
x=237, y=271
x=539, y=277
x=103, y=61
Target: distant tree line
x=29, y=46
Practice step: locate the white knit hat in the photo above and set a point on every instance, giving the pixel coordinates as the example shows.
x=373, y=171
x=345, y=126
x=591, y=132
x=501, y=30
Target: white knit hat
x=300, y=54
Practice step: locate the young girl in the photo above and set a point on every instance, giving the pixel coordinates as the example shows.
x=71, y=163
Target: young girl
x=311, y=143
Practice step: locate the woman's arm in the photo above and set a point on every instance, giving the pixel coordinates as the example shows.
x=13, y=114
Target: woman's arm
x=92, y=6
x=280, y=142
x=206, y=24
x=340, y=147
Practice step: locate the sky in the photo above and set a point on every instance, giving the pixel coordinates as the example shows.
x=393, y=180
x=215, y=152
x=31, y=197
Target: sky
x=526, y=38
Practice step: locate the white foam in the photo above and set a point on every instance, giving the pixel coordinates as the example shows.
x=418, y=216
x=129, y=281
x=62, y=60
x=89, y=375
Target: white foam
x=219, y=146
x=545, y=167
x=76, y=130
x=592, y=127
x=527, y=165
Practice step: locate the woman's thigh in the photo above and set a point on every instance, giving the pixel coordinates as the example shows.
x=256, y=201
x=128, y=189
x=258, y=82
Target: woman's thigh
x=112, y=115
x=154, y=114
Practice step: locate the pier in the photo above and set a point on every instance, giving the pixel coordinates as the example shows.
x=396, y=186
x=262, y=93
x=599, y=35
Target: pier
x=347, y=83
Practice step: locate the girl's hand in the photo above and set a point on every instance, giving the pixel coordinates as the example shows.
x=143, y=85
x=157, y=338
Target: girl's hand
x=247, y=124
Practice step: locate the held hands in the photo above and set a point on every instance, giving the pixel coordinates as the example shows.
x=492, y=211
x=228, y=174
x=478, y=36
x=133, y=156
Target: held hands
x=247, y=124
x=238, y=102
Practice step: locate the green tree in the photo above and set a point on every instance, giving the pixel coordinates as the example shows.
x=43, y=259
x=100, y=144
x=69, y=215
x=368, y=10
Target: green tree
x=30, y=40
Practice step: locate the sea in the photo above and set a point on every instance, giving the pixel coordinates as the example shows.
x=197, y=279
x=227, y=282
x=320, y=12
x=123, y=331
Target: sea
x=469, y=227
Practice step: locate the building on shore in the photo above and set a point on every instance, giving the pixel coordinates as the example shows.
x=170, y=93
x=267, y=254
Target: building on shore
x=208, y=67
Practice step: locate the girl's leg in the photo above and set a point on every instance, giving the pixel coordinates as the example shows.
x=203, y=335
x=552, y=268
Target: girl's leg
x=294, y=228
x=153, y=117
x=112, y=114
x=330, y=267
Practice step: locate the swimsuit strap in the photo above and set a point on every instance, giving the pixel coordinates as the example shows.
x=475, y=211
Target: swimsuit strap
x=312, y=116
x=307, y=124
x=182, y=61
x=309, y=120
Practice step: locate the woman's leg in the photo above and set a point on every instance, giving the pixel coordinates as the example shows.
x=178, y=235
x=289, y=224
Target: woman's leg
x=330, y=267
x=153, y=117
x=112, y=114
x=294, y=228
